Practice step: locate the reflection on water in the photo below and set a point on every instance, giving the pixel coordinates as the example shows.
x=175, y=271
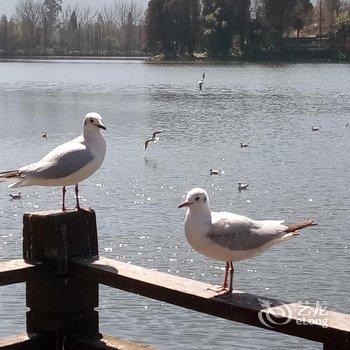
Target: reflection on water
x=151, y=162
x=292, y=171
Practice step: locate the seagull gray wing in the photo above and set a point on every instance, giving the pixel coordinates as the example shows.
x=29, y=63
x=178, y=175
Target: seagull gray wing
x=146, y=144
x=154, y=135
x=237, y=232
x=62, y=161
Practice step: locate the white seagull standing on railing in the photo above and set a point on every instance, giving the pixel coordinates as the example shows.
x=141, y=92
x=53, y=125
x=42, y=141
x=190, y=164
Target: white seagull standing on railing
x=201, y=82
x=154, y=139
x=67, y=164
x=230, y=237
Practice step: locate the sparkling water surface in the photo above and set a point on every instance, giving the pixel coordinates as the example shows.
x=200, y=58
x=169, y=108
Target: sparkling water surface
x=293, y=173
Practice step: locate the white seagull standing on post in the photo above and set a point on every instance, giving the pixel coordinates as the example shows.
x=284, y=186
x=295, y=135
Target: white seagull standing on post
x=201, y=82
x=230, y=237
x=67, y=164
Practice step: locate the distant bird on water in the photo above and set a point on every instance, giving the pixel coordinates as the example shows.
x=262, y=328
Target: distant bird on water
x=201, y=83
x=244, y=145
x=154, y=139
x=215, y=172
x=346, y=125
x=315, y=128
x=242, y=186
x=44, y=135
x=67, y=164
x=230, y=237
x=15, y=195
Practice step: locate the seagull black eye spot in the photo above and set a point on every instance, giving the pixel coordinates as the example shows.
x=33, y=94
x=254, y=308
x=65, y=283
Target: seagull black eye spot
x=205, y=199
x=91, y=120
x=197, y=198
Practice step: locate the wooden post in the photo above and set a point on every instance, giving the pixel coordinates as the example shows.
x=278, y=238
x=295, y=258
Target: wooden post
x=61, y=305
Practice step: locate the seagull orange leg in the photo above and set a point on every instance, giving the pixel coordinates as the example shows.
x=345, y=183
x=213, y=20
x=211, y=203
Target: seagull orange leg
x=77, y=196
x=64, y=198
x=224, y=285
x=228, y=292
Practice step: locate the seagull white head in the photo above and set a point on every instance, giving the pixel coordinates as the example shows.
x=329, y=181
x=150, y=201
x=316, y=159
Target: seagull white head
x=93, y=123
x=197, y=198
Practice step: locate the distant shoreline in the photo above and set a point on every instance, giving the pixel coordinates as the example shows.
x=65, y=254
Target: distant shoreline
x=156, y=60
x=233, y=60
x=106, y=58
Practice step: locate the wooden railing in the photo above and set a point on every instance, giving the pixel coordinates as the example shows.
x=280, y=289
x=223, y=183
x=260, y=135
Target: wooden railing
x=62, y=270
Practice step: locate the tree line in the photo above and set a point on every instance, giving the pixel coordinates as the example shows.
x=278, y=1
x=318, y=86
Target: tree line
x=174, y=28
x=250, y=28
x=44, y=27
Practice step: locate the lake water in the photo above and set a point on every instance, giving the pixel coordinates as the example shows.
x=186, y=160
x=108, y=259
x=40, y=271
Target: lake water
x=293, y=173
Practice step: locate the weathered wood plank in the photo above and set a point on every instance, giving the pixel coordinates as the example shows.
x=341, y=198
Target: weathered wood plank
x=24, y=342
x=17, y=271
x=105, y=342
x=297, y=320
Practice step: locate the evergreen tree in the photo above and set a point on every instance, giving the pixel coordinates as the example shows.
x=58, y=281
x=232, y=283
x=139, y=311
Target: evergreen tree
x=191, y=27
x=302, y=13
x=51, y=9
x=73, y=21
x=277, y=20
x=181, y=18
x=154, y=26
x=241, y=20
x=218, y=20
x=172, y=26
x=4, y=35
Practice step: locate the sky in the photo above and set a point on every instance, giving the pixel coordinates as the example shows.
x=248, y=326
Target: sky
x=7, y=7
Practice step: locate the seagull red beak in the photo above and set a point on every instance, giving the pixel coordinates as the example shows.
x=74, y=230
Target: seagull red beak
x=184, y=204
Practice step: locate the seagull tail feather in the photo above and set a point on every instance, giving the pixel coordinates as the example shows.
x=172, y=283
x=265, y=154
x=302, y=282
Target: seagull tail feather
x=300, y=225
x=19, y=183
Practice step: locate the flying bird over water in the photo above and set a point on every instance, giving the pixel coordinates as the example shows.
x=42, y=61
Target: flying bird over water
x=67, y=164
x=244, y=145
x=44, y=135
x=315, y=128
x=201, y=82
x=154, y=139
x=230, y=237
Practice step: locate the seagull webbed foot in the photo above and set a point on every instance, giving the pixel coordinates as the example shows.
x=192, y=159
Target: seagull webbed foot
x=217, y=289
x=226, y=293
